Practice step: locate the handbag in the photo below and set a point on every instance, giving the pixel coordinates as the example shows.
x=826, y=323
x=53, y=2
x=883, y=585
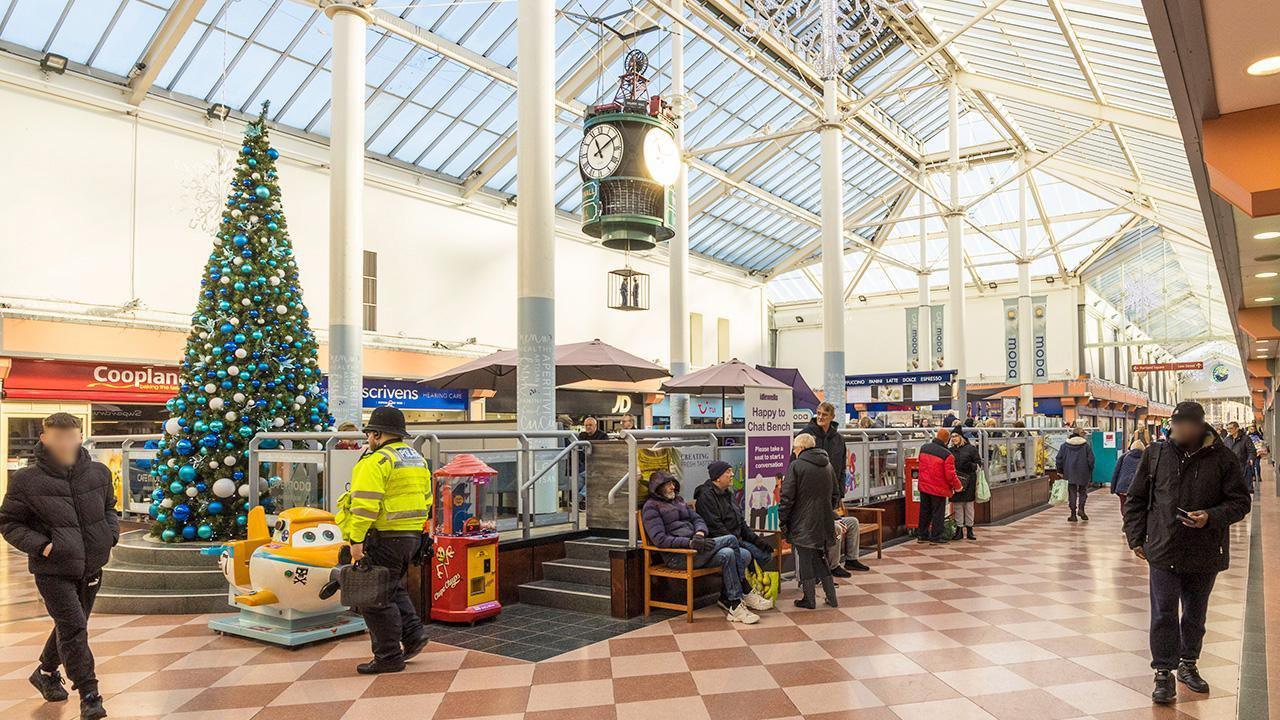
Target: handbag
x=983, y=491
x=1058, y=493
x=365, y=585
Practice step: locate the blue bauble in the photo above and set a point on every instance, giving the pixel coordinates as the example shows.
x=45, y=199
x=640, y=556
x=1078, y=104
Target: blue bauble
x=241, y=520
x=252, y=162
x=186, y=473
x=227, y=327
x=200, y=487
x=209, y=440
x=176, y=487
x=215, y=507
x=215, y=426
x=157, y=494
x=246, y=431
x=240, y=240
x=273, y=153
x=154, y=510
x=168, y=535
x=184, y=447
x=205, y=532
x=272, y=226
x=188, y=533
x=246, y=149
x=262, y=191
x=181, y=512
x=239, y=474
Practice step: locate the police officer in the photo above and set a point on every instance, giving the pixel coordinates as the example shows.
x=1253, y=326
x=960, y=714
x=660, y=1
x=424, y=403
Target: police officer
x=390, y=498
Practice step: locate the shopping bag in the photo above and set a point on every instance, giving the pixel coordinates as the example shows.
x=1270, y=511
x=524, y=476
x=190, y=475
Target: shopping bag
x=1058, y=493
x=364, y=585
x=983, y=491
x=950, y=528
x=764, y=583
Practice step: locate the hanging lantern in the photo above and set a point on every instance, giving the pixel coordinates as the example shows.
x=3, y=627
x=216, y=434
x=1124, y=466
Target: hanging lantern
x=628, y=290
x=629, y=162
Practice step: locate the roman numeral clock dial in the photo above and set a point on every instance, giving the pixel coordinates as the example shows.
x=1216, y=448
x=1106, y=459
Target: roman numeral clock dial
x=600, y=153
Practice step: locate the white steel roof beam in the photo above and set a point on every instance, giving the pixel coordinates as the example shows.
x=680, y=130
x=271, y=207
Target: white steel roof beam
x=175, y=25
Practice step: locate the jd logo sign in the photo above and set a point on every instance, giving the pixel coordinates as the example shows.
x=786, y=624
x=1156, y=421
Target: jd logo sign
x=621, y=405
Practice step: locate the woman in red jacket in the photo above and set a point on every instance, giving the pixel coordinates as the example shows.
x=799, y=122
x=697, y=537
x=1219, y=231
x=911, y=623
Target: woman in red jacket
x=937, y=482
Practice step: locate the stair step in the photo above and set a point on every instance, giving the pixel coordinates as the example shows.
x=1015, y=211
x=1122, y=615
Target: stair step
x=136, y=548
x=567, y=596
x=125, y=575
x=593, y=548
x=128, y=601
x=582, y=571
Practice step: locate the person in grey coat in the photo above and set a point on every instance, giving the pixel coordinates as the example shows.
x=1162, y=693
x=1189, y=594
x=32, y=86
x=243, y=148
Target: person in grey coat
x=1075, y=464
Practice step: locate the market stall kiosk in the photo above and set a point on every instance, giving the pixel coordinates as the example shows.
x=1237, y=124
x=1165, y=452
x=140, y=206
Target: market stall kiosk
x=464, y=566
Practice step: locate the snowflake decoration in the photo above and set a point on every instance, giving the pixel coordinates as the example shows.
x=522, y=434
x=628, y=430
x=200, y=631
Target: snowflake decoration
x=1141, y=296
x=824, y=43
x=205, y=190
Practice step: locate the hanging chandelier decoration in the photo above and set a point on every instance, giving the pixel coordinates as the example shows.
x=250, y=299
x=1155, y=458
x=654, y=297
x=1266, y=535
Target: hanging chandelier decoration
x=842, y=24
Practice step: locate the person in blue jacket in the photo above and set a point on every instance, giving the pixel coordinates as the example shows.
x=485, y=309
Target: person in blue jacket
x=1126, y=468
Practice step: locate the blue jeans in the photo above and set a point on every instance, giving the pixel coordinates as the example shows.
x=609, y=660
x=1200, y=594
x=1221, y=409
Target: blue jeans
x=762, y=555
x=725, y=551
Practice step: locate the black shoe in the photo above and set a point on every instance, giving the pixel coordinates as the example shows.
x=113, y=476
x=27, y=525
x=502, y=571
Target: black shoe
x=376, y=666
x=1166, y=689
x=49, y=685
x=415, y=646
x=1189, y=675
x=1084, y=516
x=1071, y=519
x=832, y=601
x=840, y=572
x=806, y=603
x=91, y=707
x=969, y=533
x=329, y=589
x=856, y=566
x=922, y=539
x=939, y=541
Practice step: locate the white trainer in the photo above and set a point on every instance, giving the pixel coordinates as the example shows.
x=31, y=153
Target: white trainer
x=743, y=615
x=755, y=601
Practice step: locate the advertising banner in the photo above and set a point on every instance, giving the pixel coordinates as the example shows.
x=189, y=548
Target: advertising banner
x=913, y=338
x=1011, y=358
x=768, y=430
x=1039, y=332
x=938, y=330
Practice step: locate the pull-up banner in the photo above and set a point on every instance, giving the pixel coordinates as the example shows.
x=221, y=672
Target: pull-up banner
x=1039, y=325
x=768, y=431
x=1011, y=358
x=913, y=338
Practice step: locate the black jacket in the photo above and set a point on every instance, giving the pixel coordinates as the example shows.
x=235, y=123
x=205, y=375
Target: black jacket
x=1075, y=460
x=831, y=441
x=967, y=461
x=806, y=508
x=1244, y=450
x=1207, y=478
x=722, y=516
x=73, y=508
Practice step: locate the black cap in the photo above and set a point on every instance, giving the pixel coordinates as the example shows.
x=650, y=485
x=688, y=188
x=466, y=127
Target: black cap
x=717, y=468
x=387, y=420
x=1188, y=410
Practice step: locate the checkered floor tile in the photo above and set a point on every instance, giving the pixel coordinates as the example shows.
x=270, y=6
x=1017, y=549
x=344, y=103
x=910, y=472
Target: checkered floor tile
x=1037, y=619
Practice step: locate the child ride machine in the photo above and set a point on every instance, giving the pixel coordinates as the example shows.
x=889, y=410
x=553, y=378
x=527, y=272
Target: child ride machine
x=464, y=569
x=276, y=576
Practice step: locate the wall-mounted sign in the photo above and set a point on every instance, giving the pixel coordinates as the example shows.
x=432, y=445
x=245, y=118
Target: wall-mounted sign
x=1011, y=367
x=913, y=338
x=407, y=395
x=101, y=382
x=938, y=331
x=915, y=378
x=1165, y=367
x=1039, y=337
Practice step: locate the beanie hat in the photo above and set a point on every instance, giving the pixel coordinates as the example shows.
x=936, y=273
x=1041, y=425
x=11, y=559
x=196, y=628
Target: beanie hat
x=717, y=468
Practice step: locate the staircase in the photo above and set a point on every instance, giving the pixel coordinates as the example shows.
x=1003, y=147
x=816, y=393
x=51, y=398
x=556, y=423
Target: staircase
x=580, y=581
x=148, y=577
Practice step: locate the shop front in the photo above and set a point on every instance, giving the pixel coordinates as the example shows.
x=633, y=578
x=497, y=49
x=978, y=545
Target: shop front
x=703, y=411
x=606, y=406
x=109, y=398
x=421, y=404
x=899, y=399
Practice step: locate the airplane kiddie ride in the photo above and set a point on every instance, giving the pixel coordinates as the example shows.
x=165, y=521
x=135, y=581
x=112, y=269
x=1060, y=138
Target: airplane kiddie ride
x=464, y=569
x=276, y=577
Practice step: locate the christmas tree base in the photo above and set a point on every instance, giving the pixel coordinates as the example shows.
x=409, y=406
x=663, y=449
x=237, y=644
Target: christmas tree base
x=289, y=628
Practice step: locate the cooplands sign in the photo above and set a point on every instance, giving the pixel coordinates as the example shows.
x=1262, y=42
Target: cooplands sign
x=91, y=381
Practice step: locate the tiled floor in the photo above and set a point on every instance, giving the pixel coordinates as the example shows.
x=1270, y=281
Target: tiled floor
x=529, y=632
x=1038, y=620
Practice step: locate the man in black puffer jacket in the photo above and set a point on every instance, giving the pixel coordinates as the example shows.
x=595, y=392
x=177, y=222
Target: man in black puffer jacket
x=713, y=501
x=1182, y=502
x=61, y=512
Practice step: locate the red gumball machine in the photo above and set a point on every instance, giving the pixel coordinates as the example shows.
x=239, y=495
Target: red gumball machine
x=464, y=570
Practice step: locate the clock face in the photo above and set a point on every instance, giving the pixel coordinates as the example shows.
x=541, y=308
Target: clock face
x=661, y=156
x=600, y=153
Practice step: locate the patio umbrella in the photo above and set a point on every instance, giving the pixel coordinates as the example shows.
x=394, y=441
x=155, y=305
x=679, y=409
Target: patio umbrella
x=727, y=378
x=801, y=394
x=575, y=362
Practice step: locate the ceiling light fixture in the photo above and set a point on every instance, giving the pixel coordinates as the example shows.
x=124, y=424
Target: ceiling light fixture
x=1264, y=299
x=1265, y=275
x=54, y=63
x=1265, y=66
x=1268, y=235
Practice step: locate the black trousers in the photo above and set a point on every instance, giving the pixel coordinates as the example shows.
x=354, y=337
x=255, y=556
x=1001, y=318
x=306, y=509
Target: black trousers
x=1076, y=497
x=933, y=511
x=68, y=601
x=397, y=621
x=1175, y=638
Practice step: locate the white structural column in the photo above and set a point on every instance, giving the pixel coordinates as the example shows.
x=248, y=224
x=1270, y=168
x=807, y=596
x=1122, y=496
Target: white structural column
x=832, y=214
x=678, y=249
x=955, y=258
x=535, y=227
x=924, y=322
x=1026, y=356
x=346, y=212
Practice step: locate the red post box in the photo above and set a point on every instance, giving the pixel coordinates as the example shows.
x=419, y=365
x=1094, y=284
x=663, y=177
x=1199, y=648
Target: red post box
x=911, y=493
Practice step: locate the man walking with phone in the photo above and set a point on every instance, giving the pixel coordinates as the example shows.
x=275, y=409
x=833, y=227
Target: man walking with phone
x=61, y=512
x=1177, y=516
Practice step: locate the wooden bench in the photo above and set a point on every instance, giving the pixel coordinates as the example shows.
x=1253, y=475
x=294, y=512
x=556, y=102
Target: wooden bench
x=688, y=573
x=870, y=522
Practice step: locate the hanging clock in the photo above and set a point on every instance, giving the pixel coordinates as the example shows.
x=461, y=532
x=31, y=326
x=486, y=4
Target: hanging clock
x=601, y=151
x=661, y=156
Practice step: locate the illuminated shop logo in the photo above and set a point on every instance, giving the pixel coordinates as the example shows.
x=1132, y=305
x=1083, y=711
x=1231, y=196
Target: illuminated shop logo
x=1218, y=371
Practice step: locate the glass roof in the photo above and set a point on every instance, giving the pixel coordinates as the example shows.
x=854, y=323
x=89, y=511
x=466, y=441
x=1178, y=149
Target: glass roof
x=427, y=110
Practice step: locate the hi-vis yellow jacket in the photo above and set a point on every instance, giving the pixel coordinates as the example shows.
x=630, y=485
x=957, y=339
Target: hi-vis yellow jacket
x=390, y=490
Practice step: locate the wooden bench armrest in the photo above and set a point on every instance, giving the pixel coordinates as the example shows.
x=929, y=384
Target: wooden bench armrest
x=876, y=511
x=680, y=551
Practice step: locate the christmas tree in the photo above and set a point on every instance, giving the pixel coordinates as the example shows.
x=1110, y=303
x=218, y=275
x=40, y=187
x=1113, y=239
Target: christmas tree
x=250, y=363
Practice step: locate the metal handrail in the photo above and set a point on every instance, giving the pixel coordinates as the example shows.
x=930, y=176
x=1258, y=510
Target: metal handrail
x=613, y=491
